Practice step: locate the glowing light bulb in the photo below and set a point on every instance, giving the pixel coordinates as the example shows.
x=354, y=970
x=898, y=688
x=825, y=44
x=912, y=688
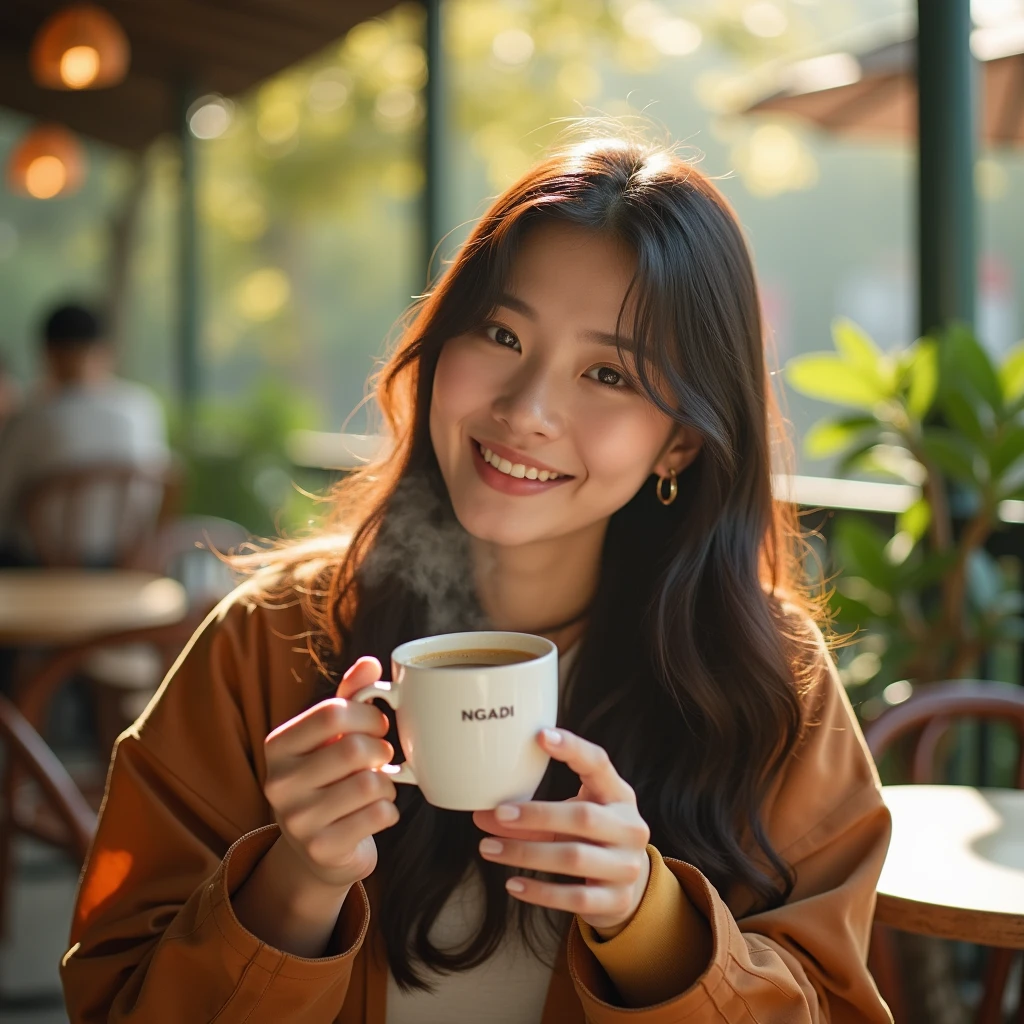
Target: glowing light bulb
x=79, y=67
x=45, y=177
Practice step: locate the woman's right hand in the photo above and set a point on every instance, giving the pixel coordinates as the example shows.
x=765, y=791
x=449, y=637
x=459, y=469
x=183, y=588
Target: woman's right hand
x=328, y=798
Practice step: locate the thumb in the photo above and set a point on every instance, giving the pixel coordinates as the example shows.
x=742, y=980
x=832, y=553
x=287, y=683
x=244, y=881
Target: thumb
x=365, y=672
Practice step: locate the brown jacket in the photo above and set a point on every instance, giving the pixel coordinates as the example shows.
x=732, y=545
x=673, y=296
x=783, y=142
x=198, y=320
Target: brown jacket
x=184, y=821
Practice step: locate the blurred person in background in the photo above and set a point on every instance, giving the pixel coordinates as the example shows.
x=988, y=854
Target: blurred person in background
x=79, y=414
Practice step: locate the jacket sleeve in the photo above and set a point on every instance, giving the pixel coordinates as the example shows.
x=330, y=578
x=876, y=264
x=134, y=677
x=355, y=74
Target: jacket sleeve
x=803, y=962
x=183, y=824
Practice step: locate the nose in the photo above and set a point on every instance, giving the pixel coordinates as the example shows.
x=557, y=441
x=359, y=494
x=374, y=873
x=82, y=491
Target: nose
x=530, y=403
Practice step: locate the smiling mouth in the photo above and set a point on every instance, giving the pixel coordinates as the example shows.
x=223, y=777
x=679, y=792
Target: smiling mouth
x=518, y=470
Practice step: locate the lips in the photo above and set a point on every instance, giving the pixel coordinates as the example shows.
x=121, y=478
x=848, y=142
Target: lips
x=518, y=470
x=521, y=477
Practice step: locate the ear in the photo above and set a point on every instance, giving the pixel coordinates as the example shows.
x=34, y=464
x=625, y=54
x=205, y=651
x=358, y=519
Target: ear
x=682, y=448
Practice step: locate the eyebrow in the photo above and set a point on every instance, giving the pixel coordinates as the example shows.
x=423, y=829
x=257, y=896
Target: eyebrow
x=601, y=337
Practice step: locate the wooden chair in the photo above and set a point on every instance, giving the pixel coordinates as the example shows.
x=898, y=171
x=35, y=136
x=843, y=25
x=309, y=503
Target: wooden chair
x=930, y=714
x=61, y=818
x=99, y=514
x=32, y=702
x=186, y=549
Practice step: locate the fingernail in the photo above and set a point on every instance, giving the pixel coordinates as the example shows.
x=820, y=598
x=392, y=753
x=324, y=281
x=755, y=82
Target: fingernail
x=491, y=846
x=553, y=736
x=506, y=812
x=514, y=886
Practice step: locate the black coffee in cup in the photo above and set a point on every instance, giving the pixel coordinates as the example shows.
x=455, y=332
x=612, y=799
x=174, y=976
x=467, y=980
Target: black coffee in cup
x=481, y=657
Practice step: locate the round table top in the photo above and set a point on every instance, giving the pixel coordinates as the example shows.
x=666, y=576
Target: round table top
x=62, y=606
x=955, y=867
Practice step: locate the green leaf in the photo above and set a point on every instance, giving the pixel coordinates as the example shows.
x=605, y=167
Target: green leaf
x=862, y=355
x=1009, y=449
x=953, y=456
x=827, y=437
x=829, y=379
x=860, y=550
x=967, y=360
x=960, y=413
x=923, y=373
x=849, y=612
x=929, y=570
x=1011, y=373
x=915, y=519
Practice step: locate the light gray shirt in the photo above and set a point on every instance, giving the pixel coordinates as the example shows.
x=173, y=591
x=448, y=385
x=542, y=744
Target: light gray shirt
x=111, y=421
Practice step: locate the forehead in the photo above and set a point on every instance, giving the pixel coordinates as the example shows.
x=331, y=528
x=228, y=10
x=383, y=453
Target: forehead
x=564, y=270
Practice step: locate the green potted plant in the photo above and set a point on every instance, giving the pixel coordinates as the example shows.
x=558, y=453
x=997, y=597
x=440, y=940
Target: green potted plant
x=943, y=419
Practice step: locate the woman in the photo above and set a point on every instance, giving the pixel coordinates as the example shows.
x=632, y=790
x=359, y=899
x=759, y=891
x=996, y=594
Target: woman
x=583, y=449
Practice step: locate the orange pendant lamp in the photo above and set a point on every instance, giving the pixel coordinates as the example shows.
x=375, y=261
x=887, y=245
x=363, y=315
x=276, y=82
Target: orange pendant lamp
x=80, y=47
x=49, y=161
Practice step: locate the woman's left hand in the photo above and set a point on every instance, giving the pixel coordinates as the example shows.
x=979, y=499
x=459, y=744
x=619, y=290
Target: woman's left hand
x=597, y=835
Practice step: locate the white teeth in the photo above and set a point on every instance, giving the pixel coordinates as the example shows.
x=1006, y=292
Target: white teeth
x=518, y=469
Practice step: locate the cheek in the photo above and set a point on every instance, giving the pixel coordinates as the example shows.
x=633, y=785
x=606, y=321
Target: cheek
x=461, y=383
x=620, y=448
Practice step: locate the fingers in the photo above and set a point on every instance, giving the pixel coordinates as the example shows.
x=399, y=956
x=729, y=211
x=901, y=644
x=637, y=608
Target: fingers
x=582, y=860
x=352, y=753
x=590, y=762
x=363, y=672
x=337, y=801
x=333, y=845
x=322, y=724
x=487, y=822
x=613, y=825
x=596, y=904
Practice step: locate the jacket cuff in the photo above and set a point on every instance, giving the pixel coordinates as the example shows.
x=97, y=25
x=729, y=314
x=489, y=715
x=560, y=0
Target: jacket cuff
x=347, y=937
x=661, y=953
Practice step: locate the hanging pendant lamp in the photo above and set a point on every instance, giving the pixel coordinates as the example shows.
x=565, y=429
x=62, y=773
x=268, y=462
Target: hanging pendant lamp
x=49, y=161
x=80, y=47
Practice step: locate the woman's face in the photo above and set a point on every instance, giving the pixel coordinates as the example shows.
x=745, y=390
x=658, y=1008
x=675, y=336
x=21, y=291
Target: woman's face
x=540, y=387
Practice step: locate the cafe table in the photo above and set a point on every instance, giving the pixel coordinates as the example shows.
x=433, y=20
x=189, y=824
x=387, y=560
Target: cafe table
x=63, y=614
x=56, y=607
x=955, y=868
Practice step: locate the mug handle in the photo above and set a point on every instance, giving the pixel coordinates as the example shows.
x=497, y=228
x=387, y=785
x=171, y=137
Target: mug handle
x=391, y=695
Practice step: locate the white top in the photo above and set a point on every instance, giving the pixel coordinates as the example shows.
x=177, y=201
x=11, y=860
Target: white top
x=112, y=421
x=508, y=988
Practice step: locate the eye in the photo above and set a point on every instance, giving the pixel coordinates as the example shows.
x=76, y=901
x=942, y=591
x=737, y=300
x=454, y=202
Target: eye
x=608, y=376
x=503, y=336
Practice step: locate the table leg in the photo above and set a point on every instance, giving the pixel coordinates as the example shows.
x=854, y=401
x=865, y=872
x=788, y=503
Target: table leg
x=997, y=970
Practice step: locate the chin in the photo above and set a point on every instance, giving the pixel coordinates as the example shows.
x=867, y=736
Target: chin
x=502, y=528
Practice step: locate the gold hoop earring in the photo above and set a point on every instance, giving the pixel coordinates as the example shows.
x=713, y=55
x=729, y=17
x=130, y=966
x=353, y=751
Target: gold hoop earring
x=673, y=488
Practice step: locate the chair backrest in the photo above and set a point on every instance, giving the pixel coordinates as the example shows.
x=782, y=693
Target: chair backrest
x=186, y=549
x=931, y=712
x=27, y=749
x=98, y=514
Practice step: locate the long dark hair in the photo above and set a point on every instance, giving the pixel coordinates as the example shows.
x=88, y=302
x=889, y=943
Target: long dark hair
x=697, y=647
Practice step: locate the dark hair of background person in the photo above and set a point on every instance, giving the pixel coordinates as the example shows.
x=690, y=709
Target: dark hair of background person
x=697, y=649
x=71, y=325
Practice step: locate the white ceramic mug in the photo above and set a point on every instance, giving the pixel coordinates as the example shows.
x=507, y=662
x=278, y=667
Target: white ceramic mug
x=469, y=734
